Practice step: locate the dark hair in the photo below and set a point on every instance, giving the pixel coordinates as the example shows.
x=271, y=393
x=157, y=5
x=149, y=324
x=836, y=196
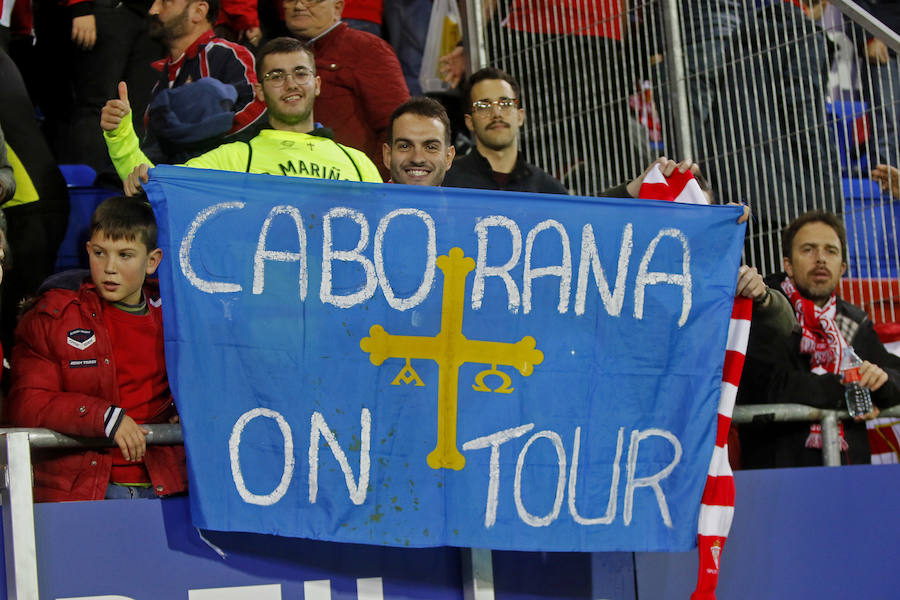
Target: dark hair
x=813, y=216
x=490, y=73
x=124, y=218
x=283, y=45
x=212, y=13
x=423, y=107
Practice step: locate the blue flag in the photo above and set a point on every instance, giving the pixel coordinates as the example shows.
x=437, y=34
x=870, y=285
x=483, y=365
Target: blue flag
x=410, y=366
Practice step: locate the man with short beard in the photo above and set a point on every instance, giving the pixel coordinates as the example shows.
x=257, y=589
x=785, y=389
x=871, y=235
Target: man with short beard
x=185, y=27
x=494, y=115
x=804, y=367
x=294, y=146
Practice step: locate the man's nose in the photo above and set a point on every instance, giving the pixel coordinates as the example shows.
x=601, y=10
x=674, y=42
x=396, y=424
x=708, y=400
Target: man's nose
x=290, y=81
x=418, y=155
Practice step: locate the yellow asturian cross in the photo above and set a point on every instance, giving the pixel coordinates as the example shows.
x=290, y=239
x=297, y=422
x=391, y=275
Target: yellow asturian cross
x=450, y=349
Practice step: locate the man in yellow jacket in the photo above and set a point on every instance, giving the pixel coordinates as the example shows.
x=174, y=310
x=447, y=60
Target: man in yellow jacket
x=293, y=146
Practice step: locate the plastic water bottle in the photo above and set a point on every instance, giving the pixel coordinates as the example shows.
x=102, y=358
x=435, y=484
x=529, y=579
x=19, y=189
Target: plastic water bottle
x=859, y=400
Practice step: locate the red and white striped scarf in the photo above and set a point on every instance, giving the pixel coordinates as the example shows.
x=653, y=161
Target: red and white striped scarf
x=717, y=504
x=822, y=340
x=678, y=187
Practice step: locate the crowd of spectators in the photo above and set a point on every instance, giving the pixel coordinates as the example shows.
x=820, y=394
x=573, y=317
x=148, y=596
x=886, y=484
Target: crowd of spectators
x=176, y=81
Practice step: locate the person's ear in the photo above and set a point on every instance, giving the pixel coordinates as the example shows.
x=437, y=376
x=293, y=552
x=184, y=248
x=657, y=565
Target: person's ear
x=843, y=268
x=451, y=154
x=318, y=85
x=200, y=9
x=521, y=115
x=788, y=267
x=469, y=125
x=258, y=92
x=386, y=155
x=153, y=260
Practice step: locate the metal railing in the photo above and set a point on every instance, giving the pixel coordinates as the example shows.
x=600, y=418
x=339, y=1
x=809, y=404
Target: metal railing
x=780, y=413
x=17, y=498
x=778, y=104
x=18, y=501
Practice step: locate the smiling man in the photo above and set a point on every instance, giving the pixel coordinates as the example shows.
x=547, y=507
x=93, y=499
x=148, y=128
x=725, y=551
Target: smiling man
x=418, y=149
x=494, y=114
x=804, y=367
x=293, y=145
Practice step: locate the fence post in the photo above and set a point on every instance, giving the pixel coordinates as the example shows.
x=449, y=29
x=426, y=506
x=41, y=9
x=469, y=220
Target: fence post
x=831, y=443
x=478, y=574
x=677, y=78
x=472, y=15
x=18, y=517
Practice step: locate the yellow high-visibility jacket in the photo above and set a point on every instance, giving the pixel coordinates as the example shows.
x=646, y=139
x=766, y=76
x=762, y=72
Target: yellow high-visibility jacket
x=272, y=151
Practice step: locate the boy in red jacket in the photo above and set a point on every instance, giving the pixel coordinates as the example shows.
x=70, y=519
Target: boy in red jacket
x=89, y=362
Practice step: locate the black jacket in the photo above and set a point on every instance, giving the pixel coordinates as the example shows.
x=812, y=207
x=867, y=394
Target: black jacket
x=776, y=372
x=474, y=171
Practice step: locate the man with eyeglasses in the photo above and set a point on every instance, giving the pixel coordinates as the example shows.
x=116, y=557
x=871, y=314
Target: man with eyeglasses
x=362, y=81
x=184, y=121
x=494, y=115
x=294, y=146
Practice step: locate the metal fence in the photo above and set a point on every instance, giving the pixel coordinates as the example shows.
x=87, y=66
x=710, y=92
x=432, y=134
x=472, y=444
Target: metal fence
x=18, y=509
x=17, y=499
x=829, y=419
x=779, y=104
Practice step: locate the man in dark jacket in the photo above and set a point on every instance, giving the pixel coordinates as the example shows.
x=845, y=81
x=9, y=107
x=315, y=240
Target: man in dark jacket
x=804, y=366
x=494, y=115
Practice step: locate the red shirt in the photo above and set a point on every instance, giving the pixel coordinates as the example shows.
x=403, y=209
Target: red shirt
x=599, y=18
x=137, y=343
x=364, y=10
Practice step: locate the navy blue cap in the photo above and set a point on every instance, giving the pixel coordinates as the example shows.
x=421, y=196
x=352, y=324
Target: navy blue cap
x=193, y=112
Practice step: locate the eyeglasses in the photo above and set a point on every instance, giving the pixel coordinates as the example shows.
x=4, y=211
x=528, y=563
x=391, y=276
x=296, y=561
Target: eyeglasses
x=278, y=77
x=304, y=2
x=483, y=107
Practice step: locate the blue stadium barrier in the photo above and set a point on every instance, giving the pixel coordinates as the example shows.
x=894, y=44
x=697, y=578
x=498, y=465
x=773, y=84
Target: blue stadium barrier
x=819, y=532
x=798, y=533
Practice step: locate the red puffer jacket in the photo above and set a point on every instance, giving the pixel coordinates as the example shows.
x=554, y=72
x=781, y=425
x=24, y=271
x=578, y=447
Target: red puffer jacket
x=64, y=378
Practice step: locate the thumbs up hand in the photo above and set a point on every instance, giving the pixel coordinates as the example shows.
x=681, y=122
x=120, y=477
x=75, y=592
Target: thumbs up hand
x=115, y=109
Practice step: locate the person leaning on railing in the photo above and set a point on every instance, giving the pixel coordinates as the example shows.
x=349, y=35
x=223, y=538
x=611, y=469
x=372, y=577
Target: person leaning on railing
x=88, y=361
x=803, y=365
